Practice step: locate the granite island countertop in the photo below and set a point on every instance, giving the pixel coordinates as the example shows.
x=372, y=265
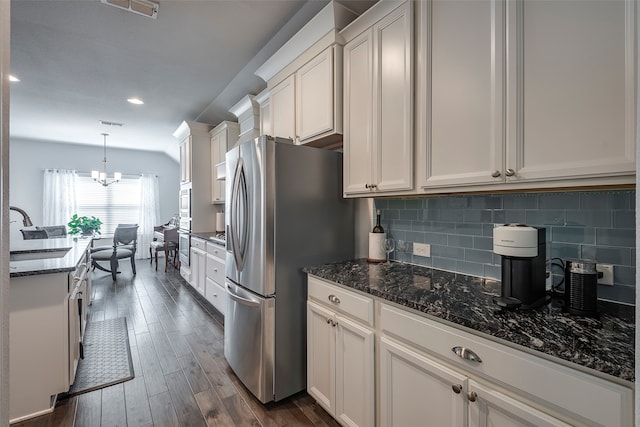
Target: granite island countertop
x=68, y=262
x=605, y=344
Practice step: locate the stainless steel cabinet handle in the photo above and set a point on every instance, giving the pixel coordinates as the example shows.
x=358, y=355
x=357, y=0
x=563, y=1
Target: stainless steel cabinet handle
x=510, y=172
x=334, y=299
x=466, y=354
x=472, y=396
x=496, y=174
x=328, y=321
x=367, y=186
x=457, y=388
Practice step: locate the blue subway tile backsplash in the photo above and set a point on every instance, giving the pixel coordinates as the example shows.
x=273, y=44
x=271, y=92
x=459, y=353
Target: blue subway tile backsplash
x=580, y=224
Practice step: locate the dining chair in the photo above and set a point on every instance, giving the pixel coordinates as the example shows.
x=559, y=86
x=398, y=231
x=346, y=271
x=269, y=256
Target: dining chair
x=125, y=240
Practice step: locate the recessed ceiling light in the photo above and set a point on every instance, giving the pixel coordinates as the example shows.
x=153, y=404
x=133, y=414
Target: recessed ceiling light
x=13, y=78
x=136, y=101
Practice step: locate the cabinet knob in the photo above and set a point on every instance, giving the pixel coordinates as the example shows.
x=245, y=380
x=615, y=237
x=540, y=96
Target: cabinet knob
x=472, y=396
x=215, y=269
x=466, y=354
x=496, y=174
x=457, y=388
x=334, y=299
x=510, y=172
x=215, y=295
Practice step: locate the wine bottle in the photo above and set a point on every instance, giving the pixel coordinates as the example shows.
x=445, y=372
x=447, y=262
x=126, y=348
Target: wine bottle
x=378, y=228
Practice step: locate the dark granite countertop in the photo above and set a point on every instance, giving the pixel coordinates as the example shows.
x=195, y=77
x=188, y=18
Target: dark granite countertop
x=68, y=262
x=208, y=235
x=605, y=345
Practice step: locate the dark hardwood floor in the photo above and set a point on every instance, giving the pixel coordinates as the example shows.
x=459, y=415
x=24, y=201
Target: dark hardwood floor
x=181, y=375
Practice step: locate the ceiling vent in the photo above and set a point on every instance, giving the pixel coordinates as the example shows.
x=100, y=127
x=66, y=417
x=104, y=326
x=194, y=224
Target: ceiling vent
x=141, y=7
x=107, y=123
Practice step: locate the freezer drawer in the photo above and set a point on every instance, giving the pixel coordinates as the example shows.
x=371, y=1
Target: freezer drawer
x=249, y=340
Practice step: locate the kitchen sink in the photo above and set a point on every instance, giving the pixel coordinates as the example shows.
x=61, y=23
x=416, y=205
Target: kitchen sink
x=43, y=254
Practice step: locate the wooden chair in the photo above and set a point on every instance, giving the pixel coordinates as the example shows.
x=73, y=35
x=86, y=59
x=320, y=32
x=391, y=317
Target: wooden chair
x=167, y=244
x=125, y=240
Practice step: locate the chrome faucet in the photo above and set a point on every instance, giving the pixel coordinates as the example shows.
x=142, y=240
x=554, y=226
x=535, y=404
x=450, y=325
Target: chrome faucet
x=25, y=218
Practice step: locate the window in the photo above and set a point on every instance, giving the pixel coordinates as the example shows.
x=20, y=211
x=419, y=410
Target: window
x=116, y=204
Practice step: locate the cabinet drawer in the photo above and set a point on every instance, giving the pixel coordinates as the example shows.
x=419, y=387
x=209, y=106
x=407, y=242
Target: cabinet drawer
x=215, y=294
x=216, y=250
x=591, y=399
x=215, y=269
x=357, y=306
x=198, y=243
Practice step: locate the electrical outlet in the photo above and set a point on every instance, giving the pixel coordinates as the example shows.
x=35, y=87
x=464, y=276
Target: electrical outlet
x=607, y=274
x=422, y=249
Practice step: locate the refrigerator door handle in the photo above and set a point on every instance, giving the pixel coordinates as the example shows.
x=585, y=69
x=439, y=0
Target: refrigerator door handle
x=241, y=300
x=233, y=241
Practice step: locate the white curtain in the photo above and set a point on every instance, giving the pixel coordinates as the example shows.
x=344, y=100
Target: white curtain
x=59, y=196
x=149, y=213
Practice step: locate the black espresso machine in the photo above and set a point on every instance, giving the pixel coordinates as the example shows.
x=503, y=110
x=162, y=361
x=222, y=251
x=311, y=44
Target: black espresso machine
x=523, y=250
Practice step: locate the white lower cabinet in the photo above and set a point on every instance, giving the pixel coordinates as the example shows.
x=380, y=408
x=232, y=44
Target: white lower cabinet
x=446, y=398
x=214, y=288
x=414, y=388
x=197, y=264
x=340, y=363
x=499, y=385
x=432, y=373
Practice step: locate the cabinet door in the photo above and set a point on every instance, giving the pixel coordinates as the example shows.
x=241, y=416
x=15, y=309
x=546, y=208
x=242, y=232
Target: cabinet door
x=185, y=160
x=215, y=294
x=321, y=356
x=198, y=270
x=282, y=106
x=571, y=89
x=415, y=390
x=355, y=401
x=393, y=100
x=218, y=152
x=358, y=114
x=315, y=96
x=464, y=72
x=489, y=407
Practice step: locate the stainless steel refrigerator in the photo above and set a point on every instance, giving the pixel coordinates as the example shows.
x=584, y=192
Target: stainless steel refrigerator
x=284, y=210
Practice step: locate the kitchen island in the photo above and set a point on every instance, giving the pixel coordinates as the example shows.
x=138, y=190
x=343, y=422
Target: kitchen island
x=49, y=291
x=441, y=333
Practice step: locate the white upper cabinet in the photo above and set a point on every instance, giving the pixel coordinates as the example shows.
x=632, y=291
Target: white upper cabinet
x=525, y=94
x=304, y=79
x=304, y=107
x=464, y=64
x=571, y=89
x=223, y=137
x=378, y=101
x=264, y=107
x=282, y=106
x=318, y=96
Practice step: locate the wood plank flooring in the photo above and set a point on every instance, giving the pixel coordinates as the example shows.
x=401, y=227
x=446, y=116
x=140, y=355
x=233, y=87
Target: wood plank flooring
x=181, y=375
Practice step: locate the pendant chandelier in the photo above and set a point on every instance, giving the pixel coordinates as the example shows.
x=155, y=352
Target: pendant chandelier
x=101, y=177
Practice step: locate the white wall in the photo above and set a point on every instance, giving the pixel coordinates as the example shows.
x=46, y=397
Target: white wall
x=29, y=158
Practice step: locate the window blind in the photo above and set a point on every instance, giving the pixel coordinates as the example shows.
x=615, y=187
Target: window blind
x=116, y=204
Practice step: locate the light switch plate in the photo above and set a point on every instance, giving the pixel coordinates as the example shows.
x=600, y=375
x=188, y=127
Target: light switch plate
x=607, y=271
x=422, y=249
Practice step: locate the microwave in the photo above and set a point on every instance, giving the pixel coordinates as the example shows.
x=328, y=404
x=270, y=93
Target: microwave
x=185, y=203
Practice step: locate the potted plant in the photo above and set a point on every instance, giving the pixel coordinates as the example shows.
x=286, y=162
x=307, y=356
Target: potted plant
x=85, y=225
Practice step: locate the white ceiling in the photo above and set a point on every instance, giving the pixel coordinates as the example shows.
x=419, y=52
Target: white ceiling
x=79, y=61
